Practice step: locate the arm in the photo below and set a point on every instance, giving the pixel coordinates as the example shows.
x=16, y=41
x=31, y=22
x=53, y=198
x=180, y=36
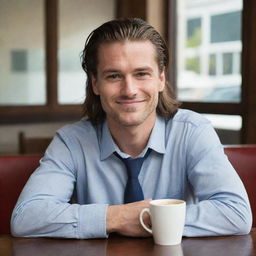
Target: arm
x=124, y=219
x=44, y=208
x=223, y=207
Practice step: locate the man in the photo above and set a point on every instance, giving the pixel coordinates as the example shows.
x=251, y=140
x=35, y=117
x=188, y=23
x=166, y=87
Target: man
x=83, y=188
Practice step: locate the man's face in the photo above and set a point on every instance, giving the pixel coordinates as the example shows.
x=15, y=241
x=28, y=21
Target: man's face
x=128, y=82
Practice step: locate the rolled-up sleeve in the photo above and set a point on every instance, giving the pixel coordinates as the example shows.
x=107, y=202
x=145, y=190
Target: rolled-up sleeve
x=44, y=208
x=223, y=207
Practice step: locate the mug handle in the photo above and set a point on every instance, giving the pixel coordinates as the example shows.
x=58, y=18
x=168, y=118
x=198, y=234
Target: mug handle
x=141, y=219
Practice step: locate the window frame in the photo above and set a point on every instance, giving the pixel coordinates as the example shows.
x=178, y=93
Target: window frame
x=52, y=111
x=246, y=108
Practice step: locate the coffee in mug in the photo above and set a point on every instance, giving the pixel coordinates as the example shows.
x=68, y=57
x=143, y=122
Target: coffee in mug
x=167, y=219
x=170, y=202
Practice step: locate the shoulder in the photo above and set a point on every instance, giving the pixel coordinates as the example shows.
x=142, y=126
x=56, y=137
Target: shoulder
x=185, y=123
x=184, y=116
x=82, y=128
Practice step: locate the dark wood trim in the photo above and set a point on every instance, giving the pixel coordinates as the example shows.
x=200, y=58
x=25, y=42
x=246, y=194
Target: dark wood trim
x=248, y=72
x=131, y=9
x=39, y=114
x=172, y=41
x=214, y=108
x=166, y=19
x=51, y=47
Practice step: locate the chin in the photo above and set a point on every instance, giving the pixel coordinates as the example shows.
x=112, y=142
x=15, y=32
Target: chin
x=128, y=122
x=129, y=119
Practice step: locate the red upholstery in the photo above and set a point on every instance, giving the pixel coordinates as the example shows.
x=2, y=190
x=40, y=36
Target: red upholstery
x=14, y=173
x=243, y=158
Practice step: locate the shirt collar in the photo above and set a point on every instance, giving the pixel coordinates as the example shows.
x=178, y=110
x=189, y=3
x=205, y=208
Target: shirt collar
x=107, y=144
x=156, y=141
x=157, y=137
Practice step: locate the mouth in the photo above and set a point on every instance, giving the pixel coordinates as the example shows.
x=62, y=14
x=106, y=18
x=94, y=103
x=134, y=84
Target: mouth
x=129, y=102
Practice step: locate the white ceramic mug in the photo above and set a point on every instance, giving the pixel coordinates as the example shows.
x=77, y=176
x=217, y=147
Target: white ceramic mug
x=167, y=219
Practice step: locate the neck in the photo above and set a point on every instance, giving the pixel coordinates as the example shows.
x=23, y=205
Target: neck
x=132, y=139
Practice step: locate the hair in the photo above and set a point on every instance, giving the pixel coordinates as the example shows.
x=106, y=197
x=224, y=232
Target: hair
x=119, y=30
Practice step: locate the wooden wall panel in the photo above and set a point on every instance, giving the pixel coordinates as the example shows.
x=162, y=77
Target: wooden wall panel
x=131, y=8
x=249, y=72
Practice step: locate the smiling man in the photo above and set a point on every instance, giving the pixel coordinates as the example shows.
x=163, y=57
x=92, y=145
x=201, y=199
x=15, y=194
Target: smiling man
x=128, y=82
x=133, y=145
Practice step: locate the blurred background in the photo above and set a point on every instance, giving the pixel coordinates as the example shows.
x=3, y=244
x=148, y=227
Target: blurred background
x=42, y=84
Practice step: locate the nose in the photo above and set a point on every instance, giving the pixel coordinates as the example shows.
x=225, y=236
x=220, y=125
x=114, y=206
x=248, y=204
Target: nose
x=129, y=87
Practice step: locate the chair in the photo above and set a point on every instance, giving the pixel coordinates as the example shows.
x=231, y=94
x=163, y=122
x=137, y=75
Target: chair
x=32, y=145
x=243, y=159
x=14, y=173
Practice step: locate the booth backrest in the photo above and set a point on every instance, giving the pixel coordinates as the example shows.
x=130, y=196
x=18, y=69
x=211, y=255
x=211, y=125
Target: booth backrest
x=33, y=145
x=243, y=158
x=14, y=173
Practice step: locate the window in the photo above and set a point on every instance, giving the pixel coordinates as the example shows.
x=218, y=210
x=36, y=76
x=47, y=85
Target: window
x=213, y=60
x=226, y=27
x=207, y=62
x=22, y=71
x=41, y=42
x=212, y=65
x=193, y=32
x=209, y=41
x=76, y=20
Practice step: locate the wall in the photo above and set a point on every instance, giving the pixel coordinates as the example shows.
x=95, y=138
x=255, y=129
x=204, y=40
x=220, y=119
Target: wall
x=9, y=134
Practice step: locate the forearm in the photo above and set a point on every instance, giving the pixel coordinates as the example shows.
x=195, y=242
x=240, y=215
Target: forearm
x=45, y=218
x=113, y=222
x=217, y=217
x=223, y=207
x=124, y=219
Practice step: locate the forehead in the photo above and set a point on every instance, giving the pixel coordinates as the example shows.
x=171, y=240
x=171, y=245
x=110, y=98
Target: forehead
x=116, y=53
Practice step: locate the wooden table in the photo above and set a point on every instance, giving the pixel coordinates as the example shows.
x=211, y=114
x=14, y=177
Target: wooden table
x=122, y=246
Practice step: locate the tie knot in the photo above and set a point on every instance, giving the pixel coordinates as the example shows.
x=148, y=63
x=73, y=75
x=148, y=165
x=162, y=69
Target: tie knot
x=133, y=165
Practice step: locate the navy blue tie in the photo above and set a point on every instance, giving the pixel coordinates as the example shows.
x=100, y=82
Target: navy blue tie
x=133, y=191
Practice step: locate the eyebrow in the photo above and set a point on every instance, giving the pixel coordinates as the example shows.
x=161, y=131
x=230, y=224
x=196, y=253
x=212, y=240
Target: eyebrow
x=107, y=71
x=144, y=68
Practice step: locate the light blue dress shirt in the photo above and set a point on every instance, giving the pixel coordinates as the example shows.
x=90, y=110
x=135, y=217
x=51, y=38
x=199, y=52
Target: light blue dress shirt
x=68, y=195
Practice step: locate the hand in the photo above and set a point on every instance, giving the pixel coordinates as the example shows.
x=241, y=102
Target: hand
x=124, y=219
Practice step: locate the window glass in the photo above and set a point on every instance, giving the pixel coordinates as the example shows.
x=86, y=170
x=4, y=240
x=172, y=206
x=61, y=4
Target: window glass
x=209, y=48
x=193, y=64
x=227, y=63
x=212, y=65
x=226, y=27
x=76, y=20
x=193, y=32
x=22, y=72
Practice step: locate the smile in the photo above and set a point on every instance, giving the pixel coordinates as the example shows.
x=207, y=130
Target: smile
x=129, y=102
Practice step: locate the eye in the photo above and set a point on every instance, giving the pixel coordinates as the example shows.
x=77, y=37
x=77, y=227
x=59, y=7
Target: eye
x=114, y=77
x=142, y=75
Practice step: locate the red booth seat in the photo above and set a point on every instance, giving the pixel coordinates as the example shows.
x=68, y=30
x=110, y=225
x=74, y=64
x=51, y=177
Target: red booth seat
x=14, y=173
x=243, y=158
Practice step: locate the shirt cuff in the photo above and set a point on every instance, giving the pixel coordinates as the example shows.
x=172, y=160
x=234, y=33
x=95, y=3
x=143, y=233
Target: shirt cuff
x=92, y=221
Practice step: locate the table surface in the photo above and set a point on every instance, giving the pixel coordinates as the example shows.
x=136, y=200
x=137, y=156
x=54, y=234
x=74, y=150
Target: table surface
x=118, y=245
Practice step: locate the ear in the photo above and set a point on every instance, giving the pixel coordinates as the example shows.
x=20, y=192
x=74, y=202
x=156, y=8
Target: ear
x=162, y=80
x=94, y=85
